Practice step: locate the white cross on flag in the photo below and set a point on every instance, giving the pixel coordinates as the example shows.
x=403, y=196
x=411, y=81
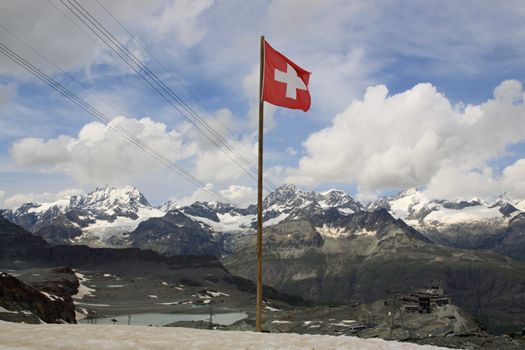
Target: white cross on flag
x=285, y=84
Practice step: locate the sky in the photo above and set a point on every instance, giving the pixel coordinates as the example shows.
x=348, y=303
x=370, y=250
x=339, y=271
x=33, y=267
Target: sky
x=424, y=94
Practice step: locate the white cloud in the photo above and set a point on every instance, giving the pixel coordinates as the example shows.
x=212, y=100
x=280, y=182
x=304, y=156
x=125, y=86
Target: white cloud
x=222, y=165
x=170, y=22
x=338, y=78
x=221, y=122
x=464, y=184
x=99, y=155
x=412, y=139
x=242, y=196
x=513, y=179
x=181, y=17
x=214, y=48
x=17, y=200
x=199, y=195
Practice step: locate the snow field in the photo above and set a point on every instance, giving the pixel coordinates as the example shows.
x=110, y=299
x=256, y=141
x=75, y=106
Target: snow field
x=16, y=336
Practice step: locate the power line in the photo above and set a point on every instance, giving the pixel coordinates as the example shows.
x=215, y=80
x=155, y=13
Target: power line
x=165, y=88
x=159, y=87
x=159, y=62
x=172, y=75
x=57, y=67
x=100, y=116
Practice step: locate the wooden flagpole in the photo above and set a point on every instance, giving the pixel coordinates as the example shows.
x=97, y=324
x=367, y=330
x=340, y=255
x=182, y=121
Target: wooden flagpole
x=258, y=311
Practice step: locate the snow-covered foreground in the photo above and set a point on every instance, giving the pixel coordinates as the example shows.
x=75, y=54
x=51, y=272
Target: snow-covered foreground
x=15, y=336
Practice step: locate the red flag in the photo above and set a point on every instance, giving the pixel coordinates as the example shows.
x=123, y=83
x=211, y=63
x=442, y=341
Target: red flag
x=285, y=84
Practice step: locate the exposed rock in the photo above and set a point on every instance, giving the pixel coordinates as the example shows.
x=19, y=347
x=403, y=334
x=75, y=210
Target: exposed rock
x=49, y=302
x=17, y=243
x=176, y=234
x=374, y=253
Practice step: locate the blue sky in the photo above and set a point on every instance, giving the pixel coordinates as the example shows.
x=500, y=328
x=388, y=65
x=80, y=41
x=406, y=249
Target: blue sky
x=403, y=95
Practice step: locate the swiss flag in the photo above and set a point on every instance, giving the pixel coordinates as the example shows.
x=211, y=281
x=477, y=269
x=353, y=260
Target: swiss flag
x=285, y=84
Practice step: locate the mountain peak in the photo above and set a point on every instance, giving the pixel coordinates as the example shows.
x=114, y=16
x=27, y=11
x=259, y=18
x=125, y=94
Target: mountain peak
x=286, y=188
x=169, y=205
x=114, y=195
x=330, y=191
x=285, y=195
x=408, y=192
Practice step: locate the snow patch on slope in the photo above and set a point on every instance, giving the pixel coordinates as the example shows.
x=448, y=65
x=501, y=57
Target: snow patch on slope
x=276, y=220
x=43, y=207
x=341, y=232
x=465, y=215
x=228, y=223
x=103, y=229
x=411, y=199
x=83, y=290
x=520, y=205
x=330, y=231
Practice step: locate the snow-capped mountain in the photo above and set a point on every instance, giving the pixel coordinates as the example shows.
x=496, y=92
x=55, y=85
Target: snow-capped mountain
x=112, y=216
x=416, y=207
x=169, y=205
x=471, y=224
x=286, y=202
x=289, y=202
x=91, y=218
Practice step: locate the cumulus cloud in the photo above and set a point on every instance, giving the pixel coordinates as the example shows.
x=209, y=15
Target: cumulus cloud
x=451, y=182
x=242, y=196
x=17, y=200
x=222, y=165
x=99, y=155
x=199, y=195
x=217, y=45
x=414, y=138
x=513, y=179
x=181, y=17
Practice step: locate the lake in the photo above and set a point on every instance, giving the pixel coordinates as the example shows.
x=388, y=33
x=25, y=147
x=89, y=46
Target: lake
x=158, y=319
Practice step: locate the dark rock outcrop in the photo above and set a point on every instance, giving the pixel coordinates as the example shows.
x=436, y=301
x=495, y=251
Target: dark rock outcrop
x=176, y=234
x=49, y=302
x=19, y=247
x=17, y=243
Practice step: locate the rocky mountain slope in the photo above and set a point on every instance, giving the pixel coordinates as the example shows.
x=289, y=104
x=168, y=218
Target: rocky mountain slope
x=378, y=254
x=25, y=251
x=49, y=301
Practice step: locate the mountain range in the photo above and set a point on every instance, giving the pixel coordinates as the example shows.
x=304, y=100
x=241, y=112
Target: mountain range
x=325, y=247
x=123, y=217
